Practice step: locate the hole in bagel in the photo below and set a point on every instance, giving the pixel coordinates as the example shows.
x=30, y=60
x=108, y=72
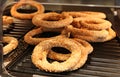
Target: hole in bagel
x=48, y=34
x=26, y=8
x=4, y=43
x=60, y=50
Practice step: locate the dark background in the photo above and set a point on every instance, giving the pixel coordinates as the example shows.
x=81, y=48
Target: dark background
x=1, y=3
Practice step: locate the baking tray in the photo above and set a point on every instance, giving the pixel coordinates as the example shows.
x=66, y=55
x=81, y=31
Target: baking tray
x=104, y=61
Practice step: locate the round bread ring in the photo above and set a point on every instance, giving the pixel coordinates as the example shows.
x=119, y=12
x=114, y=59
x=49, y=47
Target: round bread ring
x=12, y=44
x=34, y=41
x=62, y=57
x=14, y=13
x=86, y=32
x=86, y=14
x=96, y=24
x=110, y=36
x=52, y=20
x=40, y=52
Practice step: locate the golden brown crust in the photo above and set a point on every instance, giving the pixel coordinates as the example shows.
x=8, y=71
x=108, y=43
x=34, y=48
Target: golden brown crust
x=88, y=46
x=12, y=44
x=52, y=20
x=110, y=36
x=96, y=24
x=90, y=14
x=7, y=20
x=91, y=23
x=86, y=32
x=14, y=13
x=40, y=52
x=29, y=36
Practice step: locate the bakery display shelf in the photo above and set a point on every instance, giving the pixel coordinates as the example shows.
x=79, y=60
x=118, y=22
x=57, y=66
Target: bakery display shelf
x=104, y=61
